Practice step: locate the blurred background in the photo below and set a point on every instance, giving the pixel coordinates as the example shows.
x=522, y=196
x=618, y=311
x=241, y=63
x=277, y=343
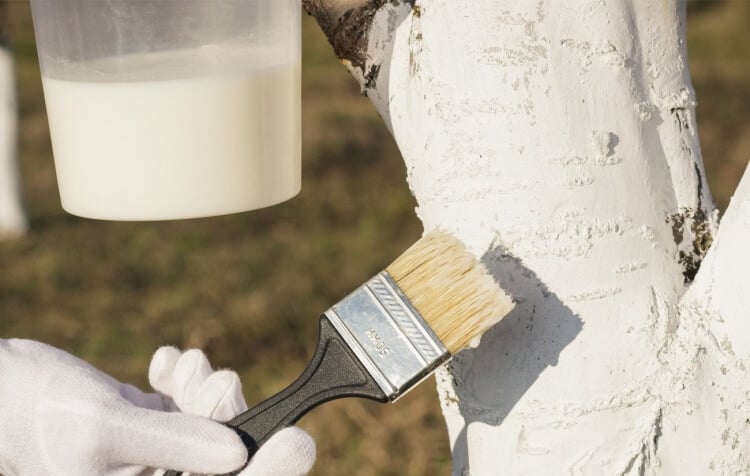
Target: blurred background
x=248, y=288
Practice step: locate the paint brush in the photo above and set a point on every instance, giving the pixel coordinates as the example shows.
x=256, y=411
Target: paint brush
x=388, y=335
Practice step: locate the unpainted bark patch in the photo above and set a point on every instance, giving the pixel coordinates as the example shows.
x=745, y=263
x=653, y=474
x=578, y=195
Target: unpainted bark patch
x=348, y=30
x=691, y=230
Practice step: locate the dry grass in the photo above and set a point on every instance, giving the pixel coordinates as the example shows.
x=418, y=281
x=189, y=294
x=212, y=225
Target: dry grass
x=247, y=287
x=718, y=39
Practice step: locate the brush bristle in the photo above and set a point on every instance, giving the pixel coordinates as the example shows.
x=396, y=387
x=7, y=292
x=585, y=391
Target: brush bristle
x=452, y=291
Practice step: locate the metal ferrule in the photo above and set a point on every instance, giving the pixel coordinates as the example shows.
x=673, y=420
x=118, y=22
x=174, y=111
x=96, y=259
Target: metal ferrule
x=388, y=335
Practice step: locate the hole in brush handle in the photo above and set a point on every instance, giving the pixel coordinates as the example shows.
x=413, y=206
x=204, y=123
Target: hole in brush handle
x=334, y=372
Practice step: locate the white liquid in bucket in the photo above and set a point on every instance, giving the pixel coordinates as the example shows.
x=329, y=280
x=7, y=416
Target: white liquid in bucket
x=131, y=148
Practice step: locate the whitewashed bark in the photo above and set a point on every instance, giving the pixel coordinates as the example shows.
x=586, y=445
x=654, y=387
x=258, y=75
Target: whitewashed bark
x=557, y=139
x=12, y=219
x=712, y=349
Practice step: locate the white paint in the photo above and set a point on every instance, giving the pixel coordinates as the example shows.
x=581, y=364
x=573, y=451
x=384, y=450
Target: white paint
x=12, y=218
x=714, y=337
x=163, y=144
x=557, y=138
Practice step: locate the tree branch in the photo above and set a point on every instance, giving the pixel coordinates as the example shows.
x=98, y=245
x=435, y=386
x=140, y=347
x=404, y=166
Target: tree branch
x=722, y=287
x=363, y=33
x=714, y=330
x=347, y=24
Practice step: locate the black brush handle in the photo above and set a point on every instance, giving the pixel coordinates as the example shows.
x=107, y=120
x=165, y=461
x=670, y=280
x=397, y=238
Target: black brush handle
x=334, y=372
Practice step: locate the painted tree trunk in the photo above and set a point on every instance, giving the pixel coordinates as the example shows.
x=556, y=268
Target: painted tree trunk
x=12, y=219
x=557, y=140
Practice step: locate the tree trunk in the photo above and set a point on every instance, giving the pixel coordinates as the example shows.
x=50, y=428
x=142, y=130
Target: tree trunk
x=12, y=220
x=557, y=140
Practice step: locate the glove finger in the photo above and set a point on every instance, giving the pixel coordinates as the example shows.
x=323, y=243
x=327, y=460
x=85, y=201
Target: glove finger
x=220, y=397
x=161, y=370
x=152, y=401
x=84, y=422
x=179, y=441
x=190, y=371
x=290, y=452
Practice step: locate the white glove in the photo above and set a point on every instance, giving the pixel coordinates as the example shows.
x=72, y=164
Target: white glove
x=60, y=416
x=188, y=379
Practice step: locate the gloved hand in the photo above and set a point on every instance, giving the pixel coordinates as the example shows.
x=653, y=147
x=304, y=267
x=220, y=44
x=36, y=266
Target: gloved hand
x=60, y=416
x=188, y=379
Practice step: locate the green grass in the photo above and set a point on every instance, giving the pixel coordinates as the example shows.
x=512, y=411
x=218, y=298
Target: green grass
x=248, y=288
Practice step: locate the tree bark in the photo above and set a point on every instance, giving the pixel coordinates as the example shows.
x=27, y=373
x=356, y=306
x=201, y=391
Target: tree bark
x=12, y=219
x=711, y=348
x=557, y=140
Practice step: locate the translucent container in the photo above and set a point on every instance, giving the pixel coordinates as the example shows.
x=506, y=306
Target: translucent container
x=167, y=109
